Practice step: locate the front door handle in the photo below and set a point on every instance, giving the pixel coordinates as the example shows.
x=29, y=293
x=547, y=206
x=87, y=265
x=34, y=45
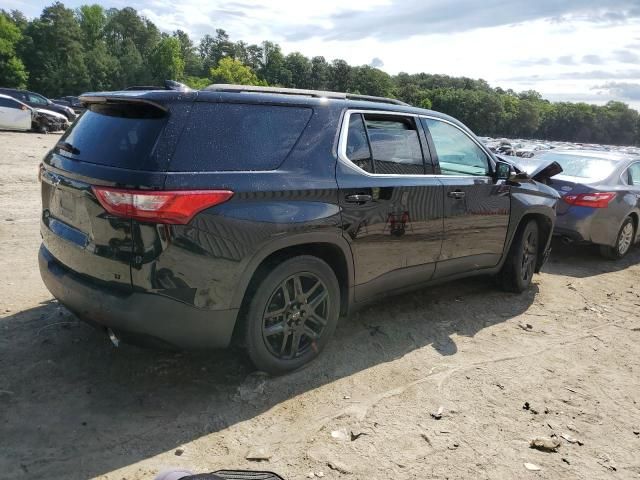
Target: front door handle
x=457, y=194
x=358, y=198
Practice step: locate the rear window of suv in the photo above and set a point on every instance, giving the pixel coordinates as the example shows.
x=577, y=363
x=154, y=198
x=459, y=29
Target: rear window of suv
x=231, y=137
x=120, y=135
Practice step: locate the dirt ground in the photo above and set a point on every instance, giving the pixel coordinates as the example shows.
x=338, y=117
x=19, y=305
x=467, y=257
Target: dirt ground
x=562, y=359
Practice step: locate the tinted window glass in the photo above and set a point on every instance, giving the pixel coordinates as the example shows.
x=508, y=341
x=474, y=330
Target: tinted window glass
x=227, y=136
x=357, y=145
x=33, y=98
x=591, y=168
x=118, y=135
x=395, y=145
x=634, y=174
x=8, y=103
x=457, y=153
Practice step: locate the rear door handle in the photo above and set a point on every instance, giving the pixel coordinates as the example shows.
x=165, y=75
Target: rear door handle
x=457, y=194
x=358, y=198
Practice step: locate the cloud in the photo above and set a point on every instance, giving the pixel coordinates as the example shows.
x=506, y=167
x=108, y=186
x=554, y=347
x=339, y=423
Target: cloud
x=398, y=19
x=566, y=60
x=633, y=74
x=621, y=56
x=626, y=56
x=627, y=91
x=376, y=63
x=592, y=59
x=532, y=62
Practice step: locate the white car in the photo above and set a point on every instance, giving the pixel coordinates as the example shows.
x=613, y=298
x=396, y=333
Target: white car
x=14, y=115
x=54, y=121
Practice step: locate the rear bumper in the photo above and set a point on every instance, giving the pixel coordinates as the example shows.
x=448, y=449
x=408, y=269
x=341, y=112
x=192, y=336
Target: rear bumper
x=139, y=316
x=589, y=225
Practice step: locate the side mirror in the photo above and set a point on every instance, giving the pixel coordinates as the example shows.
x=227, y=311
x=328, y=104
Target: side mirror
x=503, y=171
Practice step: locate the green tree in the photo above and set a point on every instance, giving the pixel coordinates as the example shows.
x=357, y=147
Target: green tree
x=12, y=70
x=192, y=61
x=92, y=19
x=213, y=49
x=367, y=80
x=54, y=53
x=230, y=70
x=300, y=68
x=319, y=73
x=166, y=60
x=339, y=76
x=103, y=68
x=273, y=69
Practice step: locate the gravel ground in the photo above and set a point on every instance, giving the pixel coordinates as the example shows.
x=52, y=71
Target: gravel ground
x=562, y=359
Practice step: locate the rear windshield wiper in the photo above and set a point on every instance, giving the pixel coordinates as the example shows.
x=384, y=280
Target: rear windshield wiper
x=67, y=147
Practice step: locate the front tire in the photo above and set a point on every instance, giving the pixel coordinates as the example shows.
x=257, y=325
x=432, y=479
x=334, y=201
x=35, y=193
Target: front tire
x=292, y=315
x=624, y=241
x=518, y=270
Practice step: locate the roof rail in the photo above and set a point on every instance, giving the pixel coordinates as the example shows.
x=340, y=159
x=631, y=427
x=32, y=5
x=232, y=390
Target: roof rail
x=372, y=98
x=223, y=87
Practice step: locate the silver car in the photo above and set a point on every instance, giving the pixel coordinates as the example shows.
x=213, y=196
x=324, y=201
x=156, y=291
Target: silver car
x=600, y=197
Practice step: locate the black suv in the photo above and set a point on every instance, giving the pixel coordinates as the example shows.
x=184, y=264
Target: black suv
x=36, y=100
x=189, y=219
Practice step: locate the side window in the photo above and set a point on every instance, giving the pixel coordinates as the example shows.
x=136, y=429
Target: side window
x=358, y=150
x=634, y=174
x=235, y=137
x=395, y=146
x=8, y=103
x=457, y=153
x=37, y=99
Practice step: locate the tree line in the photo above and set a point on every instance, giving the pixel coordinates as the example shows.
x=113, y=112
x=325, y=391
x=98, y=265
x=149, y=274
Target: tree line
x=69, y=51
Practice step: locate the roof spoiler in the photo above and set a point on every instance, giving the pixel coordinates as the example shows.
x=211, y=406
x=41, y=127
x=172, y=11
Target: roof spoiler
x=90, y=98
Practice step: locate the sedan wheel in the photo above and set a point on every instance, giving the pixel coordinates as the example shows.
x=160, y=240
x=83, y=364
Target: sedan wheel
x=624, y=241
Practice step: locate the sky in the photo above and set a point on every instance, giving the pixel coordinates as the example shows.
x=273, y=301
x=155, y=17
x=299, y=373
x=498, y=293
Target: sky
x=568, y=50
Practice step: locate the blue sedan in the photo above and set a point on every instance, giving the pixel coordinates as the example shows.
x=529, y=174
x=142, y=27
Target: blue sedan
x=600, y=197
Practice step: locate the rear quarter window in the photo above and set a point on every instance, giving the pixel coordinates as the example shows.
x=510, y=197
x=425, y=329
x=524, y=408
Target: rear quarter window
x=232, y=137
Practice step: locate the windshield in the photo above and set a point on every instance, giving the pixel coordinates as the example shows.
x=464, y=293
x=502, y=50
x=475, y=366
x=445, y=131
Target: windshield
x=593, y=169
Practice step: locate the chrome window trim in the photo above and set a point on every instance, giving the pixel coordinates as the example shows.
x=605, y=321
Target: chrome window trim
x=344, y=131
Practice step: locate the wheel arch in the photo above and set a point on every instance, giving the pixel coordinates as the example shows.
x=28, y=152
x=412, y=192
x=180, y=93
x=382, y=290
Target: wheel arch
x=545, y=224
x=332, y=249
x=636, y=223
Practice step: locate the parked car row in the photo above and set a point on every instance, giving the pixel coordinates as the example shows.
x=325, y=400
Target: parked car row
x=35, y=100
x=72, y=102
x=16, y=115
x=530, y=148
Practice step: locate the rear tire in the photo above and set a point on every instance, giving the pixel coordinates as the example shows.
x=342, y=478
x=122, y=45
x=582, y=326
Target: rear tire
x=517, y=271
x=292, y=315
x=624, y=241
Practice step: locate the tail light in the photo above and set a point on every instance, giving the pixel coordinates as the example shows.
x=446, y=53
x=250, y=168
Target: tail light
x=174, y=207
x=593, y=200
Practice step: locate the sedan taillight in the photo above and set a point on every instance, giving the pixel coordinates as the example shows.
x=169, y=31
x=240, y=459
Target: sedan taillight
x=173, y=207
x=594, y=199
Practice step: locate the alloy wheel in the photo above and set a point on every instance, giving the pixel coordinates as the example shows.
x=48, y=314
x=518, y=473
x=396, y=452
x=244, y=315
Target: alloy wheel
x=295, y=316
x=625, y=239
